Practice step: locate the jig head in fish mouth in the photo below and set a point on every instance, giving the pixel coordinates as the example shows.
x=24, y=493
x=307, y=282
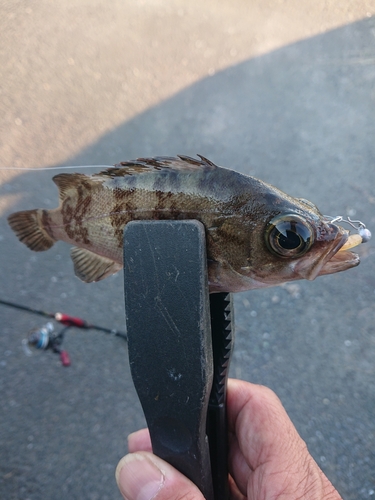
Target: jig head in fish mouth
x=343, y=256
x=363, y=234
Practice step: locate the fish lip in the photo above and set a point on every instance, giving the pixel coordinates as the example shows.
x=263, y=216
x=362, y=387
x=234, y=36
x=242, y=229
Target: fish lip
x=331, y=261
x=340, y=261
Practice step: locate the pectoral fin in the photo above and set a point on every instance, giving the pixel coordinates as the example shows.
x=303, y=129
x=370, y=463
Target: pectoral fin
x=89, y=266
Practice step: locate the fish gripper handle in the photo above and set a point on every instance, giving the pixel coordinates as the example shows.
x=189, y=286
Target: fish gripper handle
x=170, y=349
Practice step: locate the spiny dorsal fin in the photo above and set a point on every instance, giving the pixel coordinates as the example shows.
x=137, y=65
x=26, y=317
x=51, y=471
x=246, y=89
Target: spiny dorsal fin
x=89, y=266
x=149, y=165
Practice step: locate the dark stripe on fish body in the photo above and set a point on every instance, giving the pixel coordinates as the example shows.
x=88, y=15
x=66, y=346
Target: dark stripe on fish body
x=163, y=200
x=67, y=211
x=175, y=179
x=82, y=206
x=120, y=194
x=46, y=222
x=160, y=182
x=129, y=182
x=204, y=184
x=86, y=184
x=83, y=234
x=123, y=212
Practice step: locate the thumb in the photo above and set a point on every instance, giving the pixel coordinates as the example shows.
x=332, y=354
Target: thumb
x=144, y=476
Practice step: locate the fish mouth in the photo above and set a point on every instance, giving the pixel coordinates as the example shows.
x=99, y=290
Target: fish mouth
x=342, y=259
x=336, y=259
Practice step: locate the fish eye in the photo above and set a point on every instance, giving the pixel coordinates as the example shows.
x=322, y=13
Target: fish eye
x=289, y=235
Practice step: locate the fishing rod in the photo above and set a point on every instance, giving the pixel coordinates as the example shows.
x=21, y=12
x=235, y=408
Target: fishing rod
x=46, y=338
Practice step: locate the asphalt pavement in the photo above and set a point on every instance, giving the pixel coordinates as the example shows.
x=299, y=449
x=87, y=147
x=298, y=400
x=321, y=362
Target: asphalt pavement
x=278, y=90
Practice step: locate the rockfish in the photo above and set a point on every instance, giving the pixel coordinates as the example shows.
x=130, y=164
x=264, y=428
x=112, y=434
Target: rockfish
x=256, y=235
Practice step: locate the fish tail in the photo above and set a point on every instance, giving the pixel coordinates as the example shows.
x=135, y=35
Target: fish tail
x=30, y=230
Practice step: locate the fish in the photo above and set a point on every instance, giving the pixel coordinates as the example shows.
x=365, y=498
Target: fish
x=256, y=235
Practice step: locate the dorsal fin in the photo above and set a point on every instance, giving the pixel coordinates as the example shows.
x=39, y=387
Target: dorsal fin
x=67, y=182
x=149, y=165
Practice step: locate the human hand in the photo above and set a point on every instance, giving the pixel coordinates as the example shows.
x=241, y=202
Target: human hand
x=268, y=460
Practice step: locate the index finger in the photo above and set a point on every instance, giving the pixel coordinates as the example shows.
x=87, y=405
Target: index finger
x=259, y=421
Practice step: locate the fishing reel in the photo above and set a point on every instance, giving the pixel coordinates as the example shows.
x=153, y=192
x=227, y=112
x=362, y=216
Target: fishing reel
x=45, y=338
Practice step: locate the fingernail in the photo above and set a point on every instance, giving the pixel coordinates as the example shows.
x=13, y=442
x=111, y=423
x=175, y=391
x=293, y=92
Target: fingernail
x=138, y=477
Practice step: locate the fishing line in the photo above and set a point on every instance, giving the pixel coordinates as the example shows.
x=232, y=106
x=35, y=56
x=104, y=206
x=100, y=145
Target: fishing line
x=41, y=169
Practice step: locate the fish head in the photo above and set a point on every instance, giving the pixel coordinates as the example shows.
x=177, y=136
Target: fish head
x=300, y=243
x=291, y=240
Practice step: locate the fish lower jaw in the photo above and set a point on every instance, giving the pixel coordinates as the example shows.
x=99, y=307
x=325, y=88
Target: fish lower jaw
x=341, y=261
